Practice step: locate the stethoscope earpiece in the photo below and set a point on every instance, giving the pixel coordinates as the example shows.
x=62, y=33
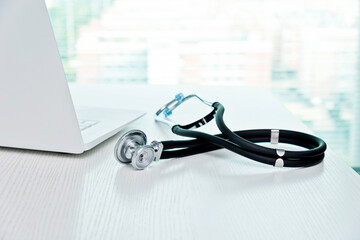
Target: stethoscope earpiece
x=132, y=147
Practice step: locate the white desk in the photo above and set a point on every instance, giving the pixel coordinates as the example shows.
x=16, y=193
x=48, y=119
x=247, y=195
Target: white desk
x=211, y=196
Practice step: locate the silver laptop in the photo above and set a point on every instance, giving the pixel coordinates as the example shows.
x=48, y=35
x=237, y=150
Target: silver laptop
x=36, y=109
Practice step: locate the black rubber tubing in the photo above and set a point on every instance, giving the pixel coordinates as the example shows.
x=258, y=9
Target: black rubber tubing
x=197, y=147
x=320, y=145
x=243, y=143
x=250, y=135
x=203, y=144
x=223, y=143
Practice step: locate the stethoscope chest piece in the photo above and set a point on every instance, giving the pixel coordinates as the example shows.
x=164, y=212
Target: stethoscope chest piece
x=143, y=157
x=127, y=144
x=132, y=147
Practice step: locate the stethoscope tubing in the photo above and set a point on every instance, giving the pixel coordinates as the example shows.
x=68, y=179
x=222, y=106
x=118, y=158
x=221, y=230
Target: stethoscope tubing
x=223, y=143
x=244, y=143
x=320, y=148
x=198, y=147
x=250, y=135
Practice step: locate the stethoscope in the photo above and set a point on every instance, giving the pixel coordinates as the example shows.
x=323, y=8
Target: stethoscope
x=131, y=147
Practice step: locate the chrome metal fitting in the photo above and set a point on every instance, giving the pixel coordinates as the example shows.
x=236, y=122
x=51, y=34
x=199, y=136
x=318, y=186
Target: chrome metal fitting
x=131, y=147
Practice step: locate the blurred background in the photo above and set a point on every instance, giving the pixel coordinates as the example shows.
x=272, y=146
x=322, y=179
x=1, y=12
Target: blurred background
x=304, y=51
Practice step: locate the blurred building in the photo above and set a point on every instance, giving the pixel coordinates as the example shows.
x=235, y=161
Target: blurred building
x=66, y=18
x=305, y=51
x=127, y=45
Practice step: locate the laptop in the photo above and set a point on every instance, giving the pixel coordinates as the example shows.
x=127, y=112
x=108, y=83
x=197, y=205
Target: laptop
x=36, y=109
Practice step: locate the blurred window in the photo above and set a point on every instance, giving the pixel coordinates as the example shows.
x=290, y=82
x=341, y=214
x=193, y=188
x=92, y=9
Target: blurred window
x=305, y=51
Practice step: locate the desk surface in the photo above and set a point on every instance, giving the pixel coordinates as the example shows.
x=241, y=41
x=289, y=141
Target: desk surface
x=217, y=195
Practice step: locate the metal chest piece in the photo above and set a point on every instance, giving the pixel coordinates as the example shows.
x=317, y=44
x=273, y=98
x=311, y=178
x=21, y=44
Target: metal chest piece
x=132, y=147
